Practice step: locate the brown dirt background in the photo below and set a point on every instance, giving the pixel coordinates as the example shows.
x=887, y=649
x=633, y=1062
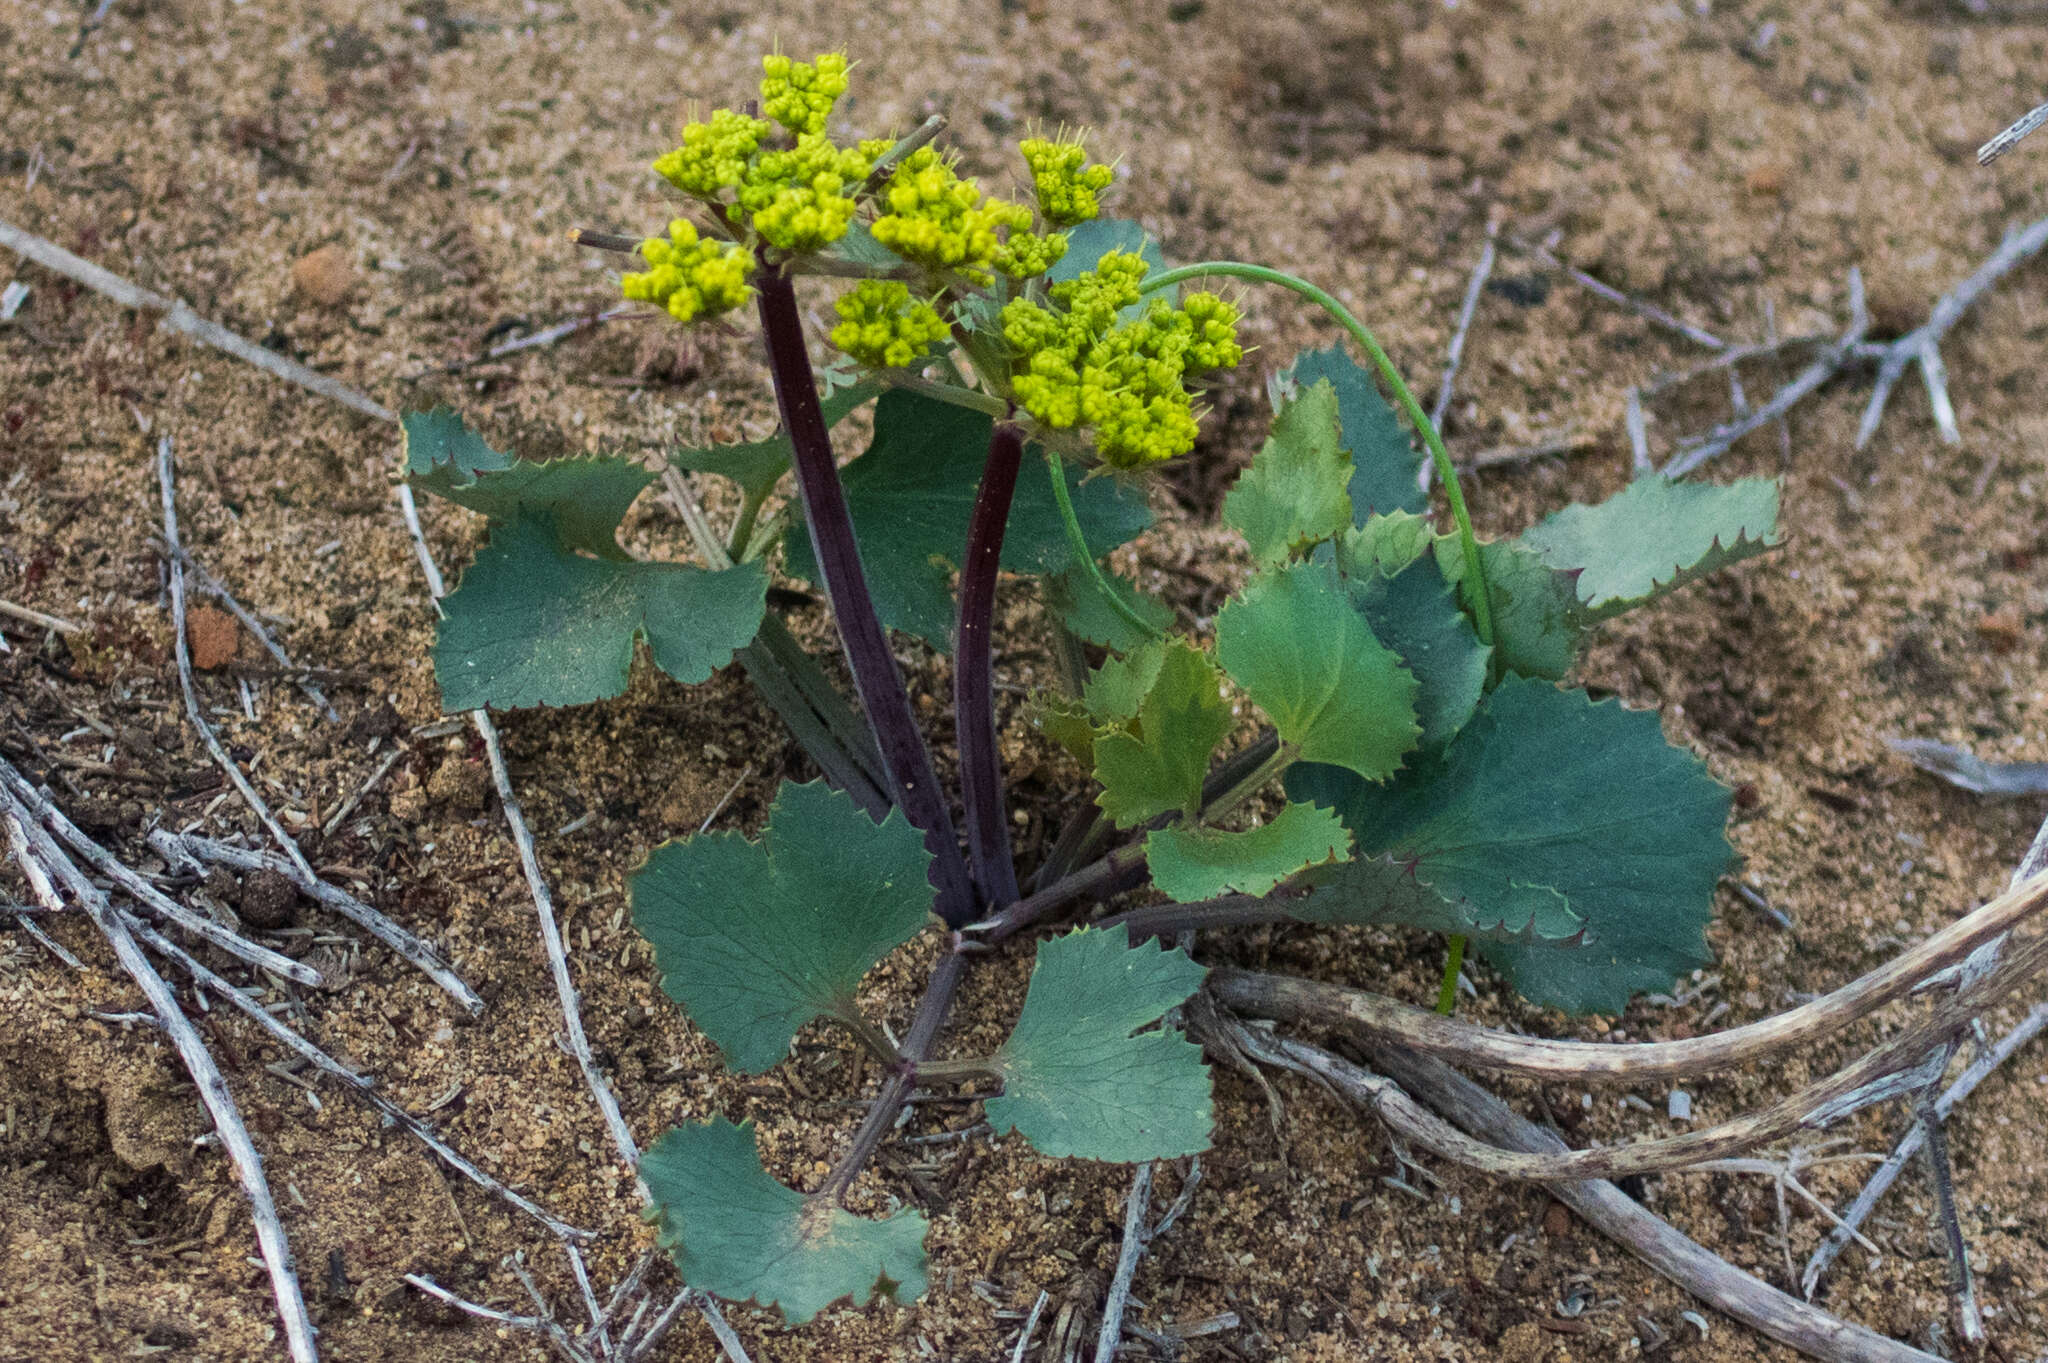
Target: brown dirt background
x=441, y=150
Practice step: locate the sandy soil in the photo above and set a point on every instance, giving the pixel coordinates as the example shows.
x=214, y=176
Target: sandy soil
x=1731, y=161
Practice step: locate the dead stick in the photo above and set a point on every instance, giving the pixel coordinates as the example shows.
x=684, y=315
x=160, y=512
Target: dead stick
x=360, y=1085
x=1379, y=1017
x=29, y=616
x=1650, y=1238
x=154, y=901
x=1136, y=1208
x=1824, y=367
x=213, y=1090
x=1474, y=288
x=1641, y=307
x=180, y=318
x=2018, y=246
x=411, y=948
x=214, y=587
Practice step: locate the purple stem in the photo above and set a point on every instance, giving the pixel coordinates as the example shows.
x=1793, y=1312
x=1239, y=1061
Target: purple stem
x=888, y=1105
x=974, y=713
x=875, y=677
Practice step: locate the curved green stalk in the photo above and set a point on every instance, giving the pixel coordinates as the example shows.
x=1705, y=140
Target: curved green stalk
x=1079, y=542
x=1482, y=600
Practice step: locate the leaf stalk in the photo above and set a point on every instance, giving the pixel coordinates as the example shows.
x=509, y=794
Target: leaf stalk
x=981, y=774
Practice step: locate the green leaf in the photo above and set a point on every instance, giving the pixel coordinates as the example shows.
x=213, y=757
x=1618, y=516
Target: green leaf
x=1294, y=494
x=1386, y=466
x=1310, y=661
x=1384, y=544
x=1157, y=764
x=1655, y=536
x=1115, y=690
x=911, y=494
x=1089, y=242
x=754, y=939
x=1545, y=788
x=1075, y=1079
x=534, y=624
x=1416, y=614
x=1200, y=863
x=736, y=1233
x=1066, y=722
x=1389, y=890
x=757, y=466
x=1538, y=626
x=1078, y=603
x=584, y=499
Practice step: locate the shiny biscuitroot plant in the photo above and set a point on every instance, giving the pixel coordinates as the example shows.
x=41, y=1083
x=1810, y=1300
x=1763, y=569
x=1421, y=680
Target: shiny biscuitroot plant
x=1416, y=761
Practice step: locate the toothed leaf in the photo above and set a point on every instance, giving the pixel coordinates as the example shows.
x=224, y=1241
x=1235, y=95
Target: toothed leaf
x=536, y=624
x=1385, y=464
x=1075, y=1079
x=1156, y=764
x=1295, y=493
x=1078, y=603
x=737, y=1233
x=758, y=465
x=1538, y=626
x=754, y=939
x=1200, y=863
x=1655, y=536
x=1415, y=613
x=583, y=499
x=1308, y=659
x=1388, y=890
x=1544, y=788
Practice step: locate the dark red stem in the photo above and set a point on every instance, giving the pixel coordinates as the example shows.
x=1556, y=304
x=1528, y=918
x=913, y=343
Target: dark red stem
x=875, y=676
x=888, y=1105
x=974, y=711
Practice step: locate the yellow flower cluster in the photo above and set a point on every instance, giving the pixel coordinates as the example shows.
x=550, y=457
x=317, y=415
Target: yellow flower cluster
x=796, y=197
x=800, y=95
x=881, y=326
x=942, y=222
x=690, y=277
x=801, y=199
x=1066, y=184
x=1080, y=366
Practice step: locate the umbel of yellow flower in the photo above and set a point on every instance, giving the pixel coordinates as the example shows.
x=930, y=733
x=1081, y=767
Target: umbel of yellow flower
x=882, y=327
x=1066, y=184
x=1078, y=365
x=690, y=277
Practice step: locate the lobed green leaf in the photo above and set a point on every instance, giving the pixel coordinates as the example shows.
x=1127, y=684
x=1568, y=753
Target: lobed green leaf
x=1155, y=765
x=1546, y=789
x=758, y=465
x=1076, y=1081
x=536, y=624
x=1074, y=598
x=1308, y=659
x=1386, y=465
x=1415, y=613
x=737, y=1233
x=583, y=499
x=1388, y=890
x=754, y=939
x=1538, y=627
x=1191, y=864
x=1654, y=537
x=1294, y=494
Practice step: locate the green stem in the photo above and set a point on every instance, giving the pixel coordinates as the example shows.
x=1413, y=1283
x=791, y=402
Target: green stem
x=1086, y=556
x=1281, y=758
x=1482, y=602
x=972, y=399
x=1447, y=992
x=743, y=528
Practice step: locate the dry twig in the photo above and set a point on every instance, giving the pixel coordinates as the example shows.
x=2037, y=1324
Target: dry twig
x=412, y=949
x=213, y=1090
